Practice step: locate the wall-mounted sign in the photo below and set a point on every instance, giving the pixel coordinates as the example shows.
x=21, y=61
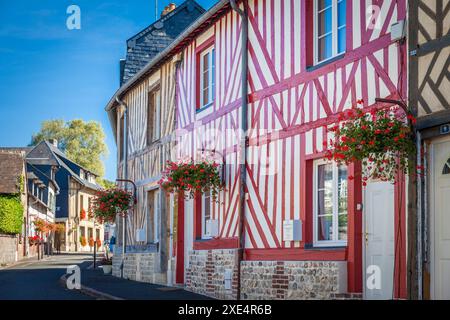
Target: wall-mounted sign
x=292, y=230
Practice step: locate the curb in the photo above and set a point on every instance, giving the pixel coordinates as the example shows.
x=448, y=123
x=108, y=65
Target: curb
x=23, y=262
x=89, y=291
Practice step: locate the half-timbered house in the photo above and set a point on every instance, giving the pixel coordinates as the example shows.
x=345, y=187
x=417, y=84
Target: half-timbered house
x=142, y=115
x=429, y=42
x=290, y=224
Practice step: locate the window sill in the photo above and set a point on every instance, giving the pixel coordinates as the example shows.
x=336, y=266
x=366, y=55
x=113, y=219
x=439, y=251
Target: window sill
x=199, y=110
x=312, y=247
x=325, y=63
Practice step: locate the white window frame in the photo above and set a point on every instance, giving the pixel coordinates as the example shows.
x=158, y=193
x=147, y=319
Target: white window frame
x=204, y=235
x=334, y=32
x=157, y=115
x=155, y=192
x=211, y=79
x=327, y=243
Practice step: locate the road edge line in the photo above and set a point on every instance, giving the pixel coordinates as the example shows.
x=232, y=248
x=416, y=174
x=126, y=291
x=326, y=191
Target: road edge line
x=89, y=291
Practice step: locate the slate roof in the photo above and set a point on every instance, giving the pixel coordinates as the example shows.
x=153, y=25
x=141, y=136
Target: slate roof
x=46, y=153
x=11, y=168
x=145, y=45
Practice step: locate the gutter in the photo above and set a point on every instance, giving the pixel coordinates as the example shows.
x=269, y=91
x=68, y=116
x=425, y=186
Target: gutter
x=125, y=176
x=244, y=137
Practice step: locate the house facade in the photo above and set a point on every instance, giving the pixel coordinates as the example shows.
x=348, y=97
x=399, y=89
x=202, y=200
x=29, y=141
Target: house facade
x=77, y=187
x=13, y=244
x=307, y=231
x=429, y=51
x=142, y=114
x=42, y=193
x=258, y=85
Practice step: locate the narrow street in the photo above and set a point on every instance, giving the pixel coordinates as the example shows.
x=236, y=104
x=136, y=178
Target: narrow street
x=39, y=280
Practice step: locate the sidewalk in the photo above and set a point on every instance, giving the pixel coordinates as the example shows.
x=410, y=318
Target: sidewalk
x=131, y=290
x=20, y=262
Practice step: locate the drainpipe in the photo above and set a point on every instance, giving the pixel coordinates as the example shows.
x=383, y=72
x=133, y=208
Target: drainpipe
x=419, y=218
x=244, y=137
x=125, y=176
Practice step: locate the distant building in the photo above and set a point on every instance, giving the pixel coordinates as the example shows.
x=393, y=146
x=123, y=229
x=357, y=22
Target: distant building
x=77, y=187
x=13, y=247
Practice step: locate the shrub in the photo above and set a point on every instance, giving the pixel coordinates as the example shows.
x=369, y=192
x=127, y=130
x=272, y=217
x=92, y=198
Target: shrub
x=11, y=214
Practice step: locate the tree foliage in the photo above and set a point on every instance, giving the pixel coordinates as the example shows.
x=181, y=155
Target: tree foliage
x=11, y=214
x=82, y=142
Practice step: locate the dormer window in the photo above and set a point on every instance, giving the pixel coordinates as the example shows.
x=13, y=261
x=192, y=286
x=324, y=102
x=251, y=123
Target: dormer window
x=446, y=169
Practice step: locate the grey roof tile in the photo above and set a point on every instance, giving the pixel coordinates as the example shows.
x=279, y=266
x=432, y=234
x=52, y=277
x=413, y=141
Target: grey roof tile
x=145, y=45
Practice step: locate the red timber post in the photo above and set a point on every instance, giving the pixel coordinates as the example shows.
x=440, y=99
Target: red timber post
x=354, y=259
x=179, y=277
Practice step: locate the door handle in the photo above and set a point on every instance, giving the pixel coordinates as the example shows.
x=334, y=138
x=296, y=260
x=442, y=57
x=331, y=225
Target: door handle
x=366, y=237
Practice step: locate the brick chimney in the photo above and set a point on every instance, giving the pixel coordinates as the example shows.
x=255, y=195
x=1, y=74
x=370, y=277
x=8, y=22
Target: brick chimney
x=169, y=8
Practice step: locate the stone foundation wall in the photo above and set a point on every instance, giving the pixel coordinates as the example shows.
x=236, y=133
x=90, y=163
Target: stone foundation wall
x=296, y=280
x=139, y=267
x=265, y=280
x=8, y=246
x=206, y=273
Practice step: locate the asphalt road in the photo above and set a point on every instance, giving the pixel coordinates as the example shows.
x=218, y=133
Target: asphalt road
x=39, y=280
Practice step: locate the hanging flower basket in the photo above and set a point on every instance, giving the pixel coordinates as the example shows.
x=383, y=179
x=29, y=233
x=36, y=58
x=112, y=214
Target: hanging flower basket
x=41, y=226
x=82, y=214
x=382, y=140
x=192, y=178
x=99, y=243
x=110, y=202
x=83, y=241
x=34, y=240
x=91, y=242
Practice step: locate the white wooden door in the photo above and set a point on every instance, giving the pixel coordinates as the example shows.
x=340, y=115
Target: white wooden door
x=440, y=215
x=378, y=238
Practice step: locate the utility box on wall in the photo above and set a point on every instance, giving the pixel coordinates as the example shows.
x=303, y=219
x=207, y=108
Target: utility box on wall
x=140, y=235
x=292, y=230
x=212, y=228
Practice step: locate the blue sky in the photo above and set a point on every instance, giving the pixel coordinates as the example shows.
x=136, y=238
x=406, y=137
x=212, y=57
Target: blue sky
x=49, y=72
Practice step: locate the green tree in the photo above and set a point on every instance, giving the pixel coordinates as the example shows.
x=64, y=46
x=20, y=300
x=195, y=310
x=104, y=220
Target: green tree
x=106, y=184
x=82, y=142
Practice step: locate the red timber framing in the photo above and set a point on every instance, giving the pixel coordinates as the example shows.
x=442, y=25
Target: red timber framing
x=179, y=272
x=290, y=107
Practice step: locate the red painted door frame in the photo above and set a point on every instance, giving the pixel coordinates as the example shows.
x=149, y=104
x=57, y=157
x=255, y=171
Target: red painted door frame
x=355, y=239
x=179, y=275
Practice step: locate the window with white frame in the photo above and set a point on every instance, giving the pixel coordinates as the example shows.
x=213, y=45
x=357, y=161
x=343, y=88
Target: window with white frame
x=153, y=115
x=330, y=204
x=207, y=76
x=152, y=215
x=206, y=213
x=329, y=29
